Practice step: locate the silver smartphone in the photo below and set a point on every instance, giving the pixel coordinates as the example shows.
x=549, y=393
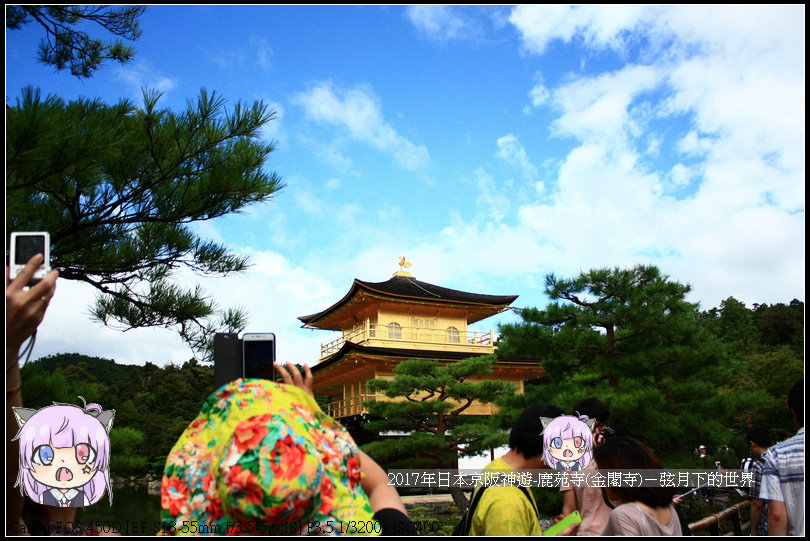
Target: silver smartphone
x=24, y=246
x=258, y=355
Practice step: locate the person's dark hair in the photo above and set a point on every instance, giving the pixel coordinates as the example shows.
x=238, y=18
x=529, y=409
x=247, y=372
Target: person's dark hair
x=760, y=436
x=526, y=435
x=594, y=409
x=796, y=401
x=624, y=453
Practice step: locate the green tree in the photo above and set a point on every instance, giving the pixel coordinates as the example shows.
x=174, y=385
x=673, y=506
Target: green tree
x=771, y=373
x=126, y=457
x=432, y=399
x=66, y=45
x=736, y=325
x=117, y=187
x=782, y=324
x=629, y=338
x=767, y=348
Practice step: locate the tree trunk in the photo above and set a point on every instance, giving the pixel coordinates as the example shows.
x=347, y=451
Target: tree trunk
x=610, y=337
x=459, y=499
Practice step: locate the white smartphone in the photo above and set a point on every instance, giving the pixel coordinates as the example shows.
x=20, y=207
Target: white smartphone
x=258, y=355
x=24, y=246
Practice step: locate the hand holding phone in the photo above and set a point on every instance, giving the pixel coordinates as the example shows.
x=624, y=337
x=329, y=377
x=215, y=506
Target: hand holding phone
x=259, y=355
x=293, y=376
x=26, y=306
x=24, y=246
x=564, y=524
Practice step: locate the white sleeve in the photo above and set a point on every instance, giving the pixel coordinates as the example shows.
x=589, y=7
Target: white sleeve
x=771, y=488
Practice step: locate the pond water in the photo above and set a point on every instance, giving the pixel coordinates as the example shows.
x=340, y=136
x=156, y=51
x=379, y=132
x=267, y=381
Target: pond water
x=133, y=510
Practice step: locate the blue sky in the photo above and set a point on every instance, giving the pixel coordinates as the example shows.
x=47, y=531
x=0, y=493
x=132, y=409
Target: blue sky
x=489, y=145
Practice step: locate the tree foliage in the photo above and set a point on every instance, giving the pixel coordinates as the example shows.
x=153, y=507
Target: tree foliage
x=780, y=324
x=735, y=325
x=770, y=374
x=760, y=328
x=432, y=400
x=66, y=45
x=117, y=187
x=629, y=338
x=767, y=345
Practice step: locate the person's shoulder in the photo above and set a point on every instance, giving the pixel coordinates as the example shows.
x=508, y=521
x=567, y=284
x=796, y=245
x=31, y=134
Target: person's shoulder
x=797, y=438
x=626, y=513
x=623, y=520
x=505, y=501
x=790, y=445
x=796, y=441
x=496, y=494
x=497, y=464
x=504, y=511
x=628, y=508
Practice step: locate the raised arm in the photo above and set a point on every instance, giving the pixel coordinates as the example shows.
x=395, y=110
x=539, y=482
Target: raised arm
x=375, y=484
x=25, y=309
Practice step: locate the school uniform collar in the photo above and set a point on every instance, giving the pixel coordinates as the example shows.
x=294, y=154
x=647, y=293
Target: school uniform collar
x=62, y=496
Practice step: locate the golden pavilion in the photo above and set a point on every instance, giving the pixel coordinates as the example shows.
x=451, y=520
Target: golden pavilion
x=384, y=323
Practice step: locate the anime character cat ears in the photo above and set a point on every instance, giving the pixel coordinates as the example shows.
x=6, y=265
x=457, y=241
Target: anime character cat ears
x=23, y=414
x=105, y=417
x=590, y=422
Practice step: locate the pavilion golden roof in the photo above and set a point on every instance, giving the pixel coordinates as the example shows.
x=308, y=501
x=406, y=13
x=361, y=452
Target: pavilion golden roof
x=402, y=289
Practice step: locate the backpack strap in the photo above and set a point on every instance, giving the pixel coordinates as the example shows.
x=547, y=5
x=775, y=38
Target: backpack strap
x=471, y=509
x=531, y=500
x=477, y=497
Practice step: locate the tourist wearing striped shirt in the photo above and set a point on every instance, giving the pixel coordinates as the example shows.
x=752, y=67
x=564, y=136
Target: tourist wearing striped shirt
x=783, y=475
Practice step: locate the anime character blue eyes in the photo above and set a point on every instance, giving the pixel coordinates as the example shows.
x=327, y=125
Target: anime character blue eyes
x=557, y=443
x=44, y=454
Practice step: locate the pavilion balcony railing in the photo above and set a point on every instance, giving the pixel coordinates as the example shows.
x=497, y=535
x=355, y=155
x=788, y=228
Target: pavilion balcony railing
x=398, y=336
x=352, y=405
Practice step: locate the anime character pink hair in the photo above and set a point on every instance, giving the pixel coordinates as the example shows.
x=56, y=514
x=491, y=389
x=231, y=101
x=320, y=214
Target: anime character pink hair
x=65, y=425
x=567, y=427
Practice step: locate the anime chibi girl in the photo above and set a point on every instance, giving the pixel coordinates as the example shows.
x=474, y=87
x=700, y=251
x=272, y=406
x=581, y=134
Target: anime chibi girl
x=567, y=442
x=64, y=454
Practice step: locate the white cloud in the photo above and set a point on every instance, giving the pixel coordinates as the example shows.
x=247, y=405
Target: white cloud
x=597, y=26
x=437, y=22
x=599, y=108
x=726, y=86
x=539, y=95
x=512, y=152
x=139, y=75
x=263, y=51
x=334, y=183
x=358, y=112
x=693, y=144
x=273, y=291
x=328, y=152
x=68, y=328
x=736, y=71
x=681, y=175
x=491, y=197
x=256, y=53
x=273, y=130
x=308, y=202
